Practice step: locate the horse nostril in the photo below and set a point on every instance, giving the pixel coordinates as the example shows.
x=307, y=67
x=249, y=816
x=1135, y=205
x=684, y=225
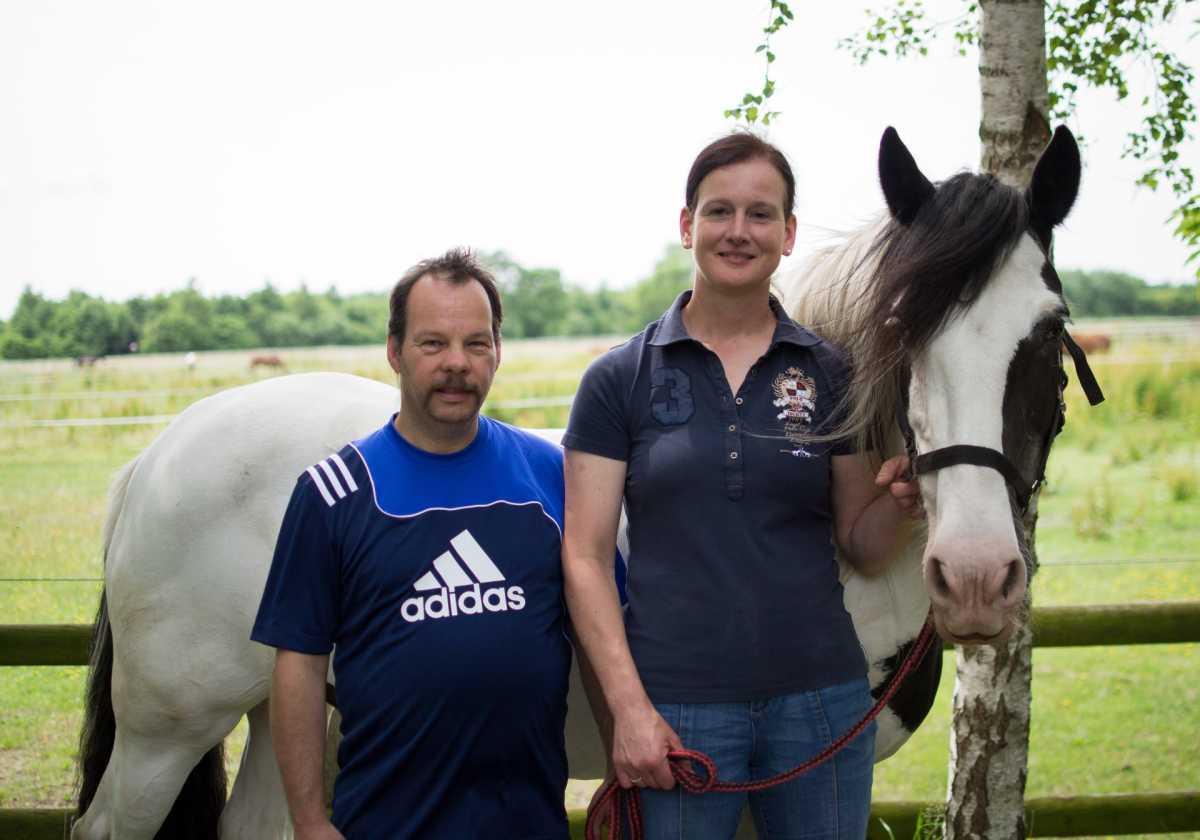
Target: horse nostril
x=940, y=584
x=1011, y=578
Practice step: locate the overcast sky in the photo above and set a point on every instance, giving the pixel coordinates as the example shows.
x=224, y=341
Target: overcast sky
x=146, y=143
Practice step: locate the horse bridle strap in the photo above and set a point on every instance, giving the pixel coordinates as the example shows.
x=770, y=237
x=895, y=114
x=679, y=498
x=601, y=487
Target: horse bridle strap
x=1087, y=379
x=979, y=456
x=983, y=456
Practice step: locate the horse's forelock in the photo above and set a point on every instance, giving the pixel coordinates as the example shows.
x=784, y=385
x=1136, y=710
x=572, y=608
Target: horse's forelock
x=930, y=269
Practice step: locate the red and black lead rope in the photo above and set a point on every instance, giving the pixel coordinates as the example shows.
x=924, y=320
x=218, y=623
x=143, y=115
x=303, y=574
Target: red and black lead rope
x=617, y=806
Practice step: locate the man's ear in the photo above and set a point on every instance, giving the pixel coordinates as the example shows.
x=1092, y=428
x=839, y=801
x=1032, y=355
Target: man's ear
x=393, y=353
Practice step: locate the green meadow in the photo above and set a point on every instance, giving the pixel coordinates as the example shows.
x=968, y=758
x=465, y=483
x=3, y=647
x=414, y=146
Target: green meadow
x=1119, y=523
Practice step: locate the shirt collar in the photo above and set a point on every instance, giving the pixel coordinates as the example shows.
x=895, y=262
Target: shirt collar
x=672, y=330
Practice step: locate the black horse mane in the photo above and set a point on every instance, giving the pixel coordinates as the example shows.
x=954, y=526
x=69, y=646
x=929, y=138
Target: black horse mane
x=929, y=269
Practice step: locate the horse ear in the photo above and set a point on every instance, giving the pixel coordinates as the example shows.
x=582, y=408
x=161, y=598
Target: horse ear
x=904, y=187
x=1055, y=182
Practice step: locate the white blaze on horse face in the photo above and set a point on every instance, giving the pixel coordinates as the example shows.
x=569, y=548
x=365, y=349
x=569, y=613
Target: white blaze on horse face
x=973, y=566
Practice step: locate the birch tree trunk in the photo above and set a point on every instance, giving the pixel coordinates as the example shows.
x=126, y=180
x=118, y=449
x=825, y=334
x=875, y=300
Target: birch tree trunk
x=989, y=737
x=1012, y=81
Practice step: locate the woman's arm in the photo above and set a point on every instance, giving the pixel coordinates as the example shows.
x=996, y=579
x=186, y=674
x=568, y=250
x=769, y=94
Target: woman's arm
x=872, y=515
x=640, y=737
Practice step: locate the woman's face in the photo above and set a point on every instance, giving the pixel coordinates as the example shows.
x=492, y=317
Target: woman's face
x=739, y=229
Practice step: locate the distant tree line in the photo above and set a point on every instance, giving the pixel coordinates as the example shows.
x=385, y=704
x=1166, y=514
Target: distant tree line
x=537, y=302
x=1109, y=294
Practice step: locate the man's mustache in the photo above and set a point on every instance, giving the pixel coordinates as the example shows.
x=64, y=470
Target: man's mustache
x=456, y=383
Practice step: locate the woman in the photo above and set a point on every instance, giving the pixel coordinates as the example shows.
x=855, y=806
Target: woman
x=735, y=641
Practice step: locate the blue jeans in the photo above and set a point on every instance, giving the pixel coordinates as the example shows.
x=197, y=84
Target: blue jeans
x=754, y=740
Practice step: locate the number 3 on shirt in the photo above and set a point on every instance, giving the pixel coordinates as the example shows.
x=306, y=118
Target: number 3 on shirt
x=671, y=396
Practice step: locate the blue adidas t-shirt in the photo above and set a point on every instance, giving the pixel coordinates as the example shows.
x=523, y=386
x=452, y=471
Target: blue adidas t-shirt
x=438, y=579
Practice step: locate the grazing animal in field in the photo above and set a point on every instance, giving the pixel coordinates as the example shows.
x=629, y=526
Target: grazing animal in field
x=267, y=361
x=87, y=361
x=1093, y=342
x=954, y=316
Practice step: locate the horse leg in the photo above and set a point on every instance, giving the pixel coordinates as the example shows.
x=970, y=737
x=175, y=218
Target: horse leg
x=96, y=822
x=146, y=775
x=257, y=808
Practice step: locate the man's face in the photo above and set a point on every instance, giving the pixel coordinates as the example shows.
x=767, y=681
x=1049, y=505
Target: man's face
x=447, y=357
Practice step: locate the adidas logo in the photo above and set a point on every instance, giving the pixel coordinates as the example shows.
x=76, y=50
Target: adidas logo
x=455, y=591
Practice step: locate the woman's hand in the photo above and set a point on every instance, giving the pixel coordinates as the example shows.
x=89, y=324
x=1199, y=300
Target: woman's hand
x=641, y=741
x=905, y=492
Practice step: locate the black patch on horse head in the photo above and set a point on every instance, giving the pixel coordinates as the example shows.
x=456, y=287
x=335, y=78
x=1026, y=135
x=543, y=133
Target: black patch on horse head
x=1032, y=394
x=913, y=700
x=939, y=263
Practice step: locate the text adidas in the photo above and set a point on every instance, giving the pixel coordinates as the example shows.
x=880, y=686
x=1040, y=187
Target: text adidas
x=446, y=603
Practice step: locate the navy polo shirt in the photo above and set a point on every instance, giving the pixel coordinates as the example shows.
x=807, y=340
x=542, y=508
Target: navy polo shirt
x=732, y=581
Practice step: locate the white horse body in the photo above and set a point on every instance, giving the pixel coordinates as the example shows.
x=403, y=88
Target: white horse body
x=192, y=529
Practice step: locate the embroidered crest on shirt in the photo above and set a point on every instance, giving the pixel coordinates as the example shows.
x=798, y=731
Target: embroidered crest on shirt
x=796, y=398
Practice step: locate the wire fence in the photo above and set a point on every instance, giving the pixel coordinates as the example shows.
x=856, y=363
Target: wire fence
x=152, y=419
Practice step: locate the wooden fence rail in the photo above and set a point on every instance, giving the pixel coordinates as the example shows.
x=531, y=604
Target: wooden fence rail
x=1074, y=816
x=1110, y=624
x=1051, y=816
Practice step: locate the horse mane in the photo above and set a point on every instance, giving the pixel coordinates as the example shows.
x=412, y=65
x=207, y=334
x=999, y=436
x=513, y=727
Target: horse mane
x=888, y=289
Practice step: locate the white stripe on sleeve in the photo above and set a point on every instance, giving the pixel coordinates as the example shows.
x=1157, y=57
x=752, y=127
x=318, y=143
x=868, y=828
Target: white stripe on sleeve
x=345, y=471
x=316, y=477
x=337, y=485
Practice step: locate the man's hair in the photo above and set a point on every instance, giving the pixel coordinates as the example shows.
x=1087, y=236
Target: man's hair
x=739, y=147
x=458, y=265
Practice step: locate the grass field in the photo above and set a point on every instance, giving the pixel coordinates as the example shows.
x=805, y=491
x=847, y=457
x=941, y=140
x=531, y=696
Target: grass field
x=1120, y=522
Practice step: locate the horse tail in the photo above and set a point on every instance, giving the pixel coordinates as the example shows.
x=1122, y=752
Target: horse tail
x=99, y=723
x=197, y=809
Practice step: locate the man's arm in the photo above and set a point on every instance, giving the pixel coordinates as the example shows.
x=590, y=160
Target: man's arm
x=298, y=735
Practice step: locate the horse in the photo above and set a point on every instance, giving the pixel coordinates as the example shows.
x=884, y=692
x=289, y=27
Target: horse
x=951, y=310
x=1093, y=342
x=267, y=360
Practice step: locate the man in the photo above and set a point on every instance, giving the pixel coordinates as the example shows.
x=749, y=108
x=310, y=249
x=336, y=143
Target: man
x=428, y=552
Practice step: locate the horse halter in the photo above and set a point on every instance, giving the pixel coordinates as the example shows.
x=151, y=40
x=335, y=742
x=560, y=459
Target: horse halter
x=983, y=456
